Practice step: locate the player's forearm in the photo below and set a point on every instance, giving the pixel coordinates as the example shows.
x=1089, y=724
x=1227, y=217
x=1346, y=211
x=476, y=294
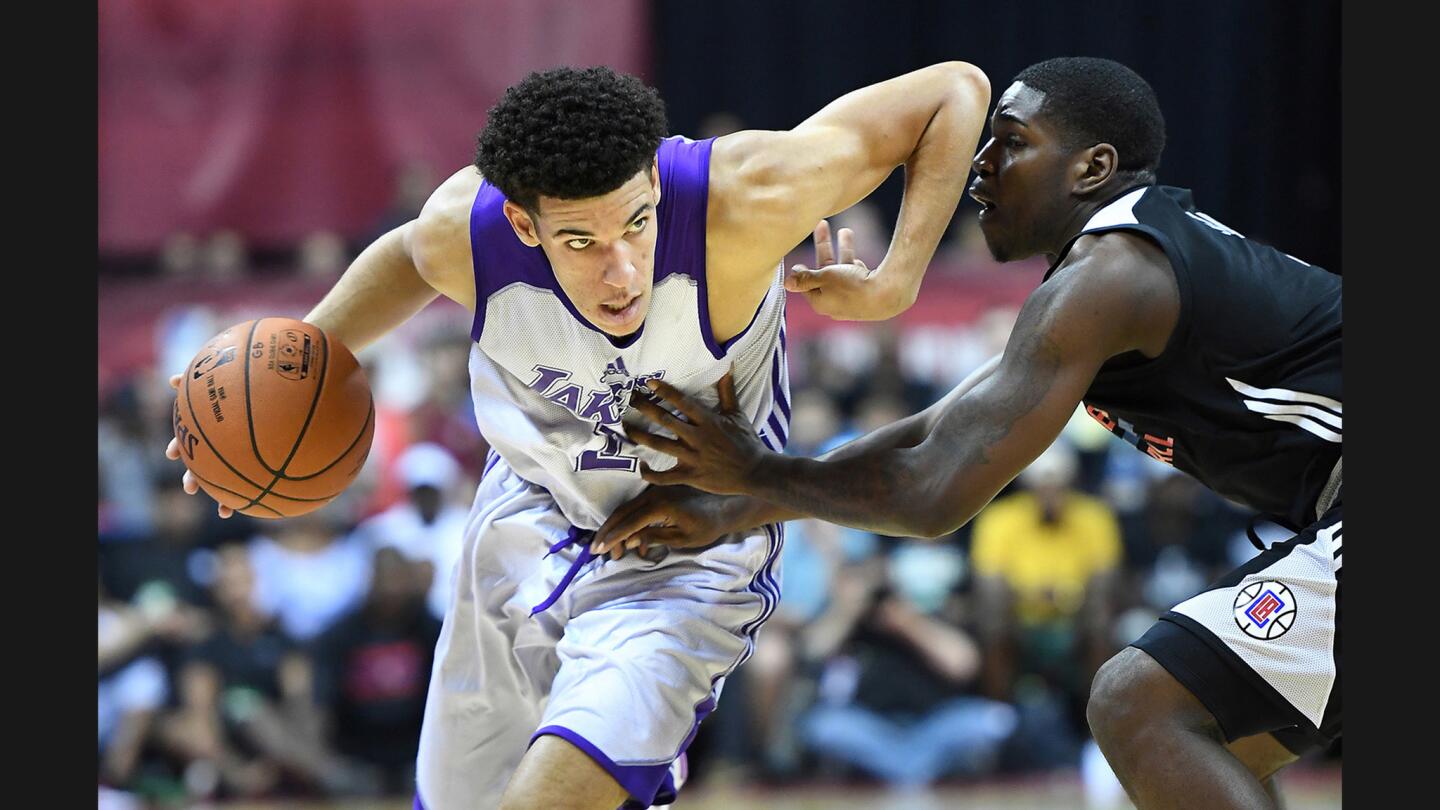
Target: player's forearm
x=381, y=290
x=899, y=435
x=935, y=175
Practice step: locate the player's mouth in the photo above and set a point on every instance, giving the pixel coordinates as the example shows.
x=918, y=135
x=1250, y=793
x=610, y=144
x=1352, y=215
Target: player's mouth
x=621, y=313
x=982, y=196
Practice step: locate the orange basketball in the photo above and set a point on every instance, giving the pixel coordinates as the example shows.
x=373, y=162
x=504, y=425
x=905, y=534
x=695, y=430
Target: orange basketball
x=274, y=417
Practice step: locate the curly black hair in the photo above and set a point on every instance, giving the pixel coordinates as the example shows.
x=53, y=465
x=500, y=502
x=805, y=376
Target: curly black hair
x=569, y=133
x=1101, y=101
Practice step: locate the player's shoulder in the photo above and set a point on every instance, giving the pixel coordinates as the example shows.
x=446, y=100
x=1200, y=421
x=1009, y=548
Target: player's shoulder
x=445, y=217
x=1113, y=257
x=438, y=240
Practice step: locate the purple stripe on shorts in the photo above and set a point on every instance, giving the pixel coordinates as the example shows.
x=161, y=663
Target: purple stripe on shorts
x=648, y=783
x=419, y=805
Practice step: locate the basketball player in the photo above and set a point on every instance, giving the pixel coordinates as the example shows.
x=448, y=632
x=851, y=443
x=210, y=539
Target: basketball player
x=597, y=253
x=1202, y=348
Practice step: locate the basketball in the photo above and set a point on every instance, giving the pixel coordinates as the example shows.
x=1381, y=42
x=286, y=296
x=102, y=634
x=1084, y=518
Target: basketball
x=274, y=417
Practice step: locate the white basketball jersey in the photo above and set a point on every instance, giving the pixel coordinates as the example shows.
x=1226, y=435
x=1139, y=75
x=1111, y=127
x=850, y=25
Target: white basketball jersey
x=550, y=389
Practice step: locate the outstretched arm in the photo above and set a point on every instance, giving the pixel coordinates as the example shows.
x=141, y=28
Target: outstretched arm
x=1108, y=300
x=684, y=517
x=770, y=188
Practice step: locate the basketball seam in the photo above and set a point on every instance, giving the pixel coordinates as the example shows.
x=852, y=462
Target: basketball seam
x=236, y=494
x=369, y=416
x=201, y=430
x=315, y=402
x=250, y=411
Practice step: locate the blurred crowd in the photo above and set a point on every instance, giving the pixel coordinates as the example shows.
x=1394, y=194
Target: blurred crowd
x=250, y=658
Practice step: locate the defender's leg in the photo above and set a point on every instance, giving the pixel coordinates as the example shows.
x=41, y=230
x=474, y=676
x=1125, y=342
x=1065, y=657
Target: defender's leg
x=1163, y=744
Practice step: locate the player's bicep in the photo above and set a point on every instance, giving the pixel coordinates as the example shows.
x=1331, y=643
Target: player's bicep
x=777, y=185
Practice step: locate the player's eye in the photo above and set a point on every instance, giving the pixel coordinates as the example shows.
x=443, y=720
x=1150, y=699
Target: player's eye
x=578, y=244
x=638, y=225
x=1013, y=141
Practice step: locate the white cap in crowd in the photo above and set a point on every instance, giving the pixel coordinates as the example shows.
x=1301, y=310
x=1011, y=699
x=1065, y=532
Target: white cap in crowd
x=427, y=464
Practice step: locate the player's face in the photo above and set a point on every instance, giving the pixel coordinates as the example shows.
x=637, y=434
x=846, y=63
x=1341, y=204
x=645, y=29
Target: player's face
x=602, y=250
x=1021, y=178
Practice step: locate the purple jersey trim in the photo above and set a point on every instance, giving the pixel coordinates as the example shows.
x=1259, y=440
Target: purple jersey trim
x=500, y=259
x=419, y=805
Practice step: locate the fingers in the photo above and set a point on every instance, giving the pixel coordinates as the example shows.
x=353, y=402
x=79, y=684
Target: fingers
x=628, y=519
x=847, y=246
x=678, y=474
x=692, y=410
x=224, y=511
x=652, y=410
x=189, y=483
x=175, y=381
x=725, y=387
x=172, y=450
x=669, y=447
x=824, y=251
x=801, y=279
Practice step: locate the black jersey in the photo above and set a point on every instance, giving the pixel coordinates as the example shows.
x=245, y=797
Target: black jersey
x=1246, y=395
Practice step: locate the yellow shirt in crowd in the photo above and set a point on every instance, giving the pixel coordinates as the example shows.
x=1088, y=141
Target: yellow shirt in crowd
x=1048, y=565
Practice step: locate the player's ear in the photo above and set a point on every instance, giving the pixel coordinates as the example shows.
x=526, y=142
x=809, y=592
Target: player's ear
x=655, y=177
x=522, y=223
x=1094, y=167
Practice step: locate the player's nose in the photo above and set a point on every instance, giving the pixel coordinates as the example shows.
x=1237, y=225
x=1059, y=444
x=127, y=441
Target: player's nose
x=981, y=163
x=620, y=269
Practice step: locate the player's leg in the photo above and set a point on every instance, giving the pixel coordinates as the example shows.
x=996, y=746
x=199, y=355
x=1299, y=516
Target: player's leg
x=1162, y=742
x=556, y=775
x=645, y=651
x=493, y=661
x=1262, y=754
x=1259, y=651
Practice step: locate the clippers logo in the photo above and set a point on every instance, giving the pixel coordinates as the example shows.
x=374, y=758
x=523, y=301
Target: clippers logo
x=1265, y=610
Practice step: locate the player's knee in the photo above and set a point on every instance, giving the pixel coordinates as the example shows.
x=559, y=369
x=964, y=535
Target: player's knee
x=1133, y=694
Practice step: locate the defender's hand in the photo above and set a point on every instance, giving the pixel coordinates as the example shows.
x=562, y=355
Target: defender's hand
x=846, y=290
x=187, y=481
x=717, y=450
x=679, y=517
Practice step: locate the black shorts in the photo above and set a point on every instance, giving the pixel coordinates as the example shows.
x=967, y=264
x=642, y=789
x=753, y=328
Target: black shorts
x=1261, y=646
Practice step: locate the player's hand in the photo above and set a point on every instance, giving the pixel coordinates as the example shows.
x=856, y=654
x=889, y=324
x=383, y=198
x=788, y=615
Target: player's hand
x=845, y=288
x=716, y=451
x=679, y=517
x=187, y=481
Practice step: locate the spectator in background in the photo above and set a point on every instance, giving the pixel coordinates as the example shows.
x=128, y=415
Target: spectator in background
x=1046, y=562
x=895, y=697
x=322, y=256
x=373, y=670
x=309, y=574
x=446, y=414
x=428, y=526
x=413, y=182
x=247, y=723
x=133, y=685
x=131, y=422
x=180, y=255
x=224, y=257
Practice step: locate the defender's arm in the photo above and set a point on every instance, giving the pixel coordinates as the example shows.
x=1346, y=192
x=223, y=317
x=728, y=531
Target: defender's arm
x=1114, y=295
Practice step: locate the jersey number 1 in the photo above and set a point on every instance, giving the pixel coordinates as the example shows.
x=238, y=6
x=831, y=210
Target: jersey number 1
x=608, y=457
